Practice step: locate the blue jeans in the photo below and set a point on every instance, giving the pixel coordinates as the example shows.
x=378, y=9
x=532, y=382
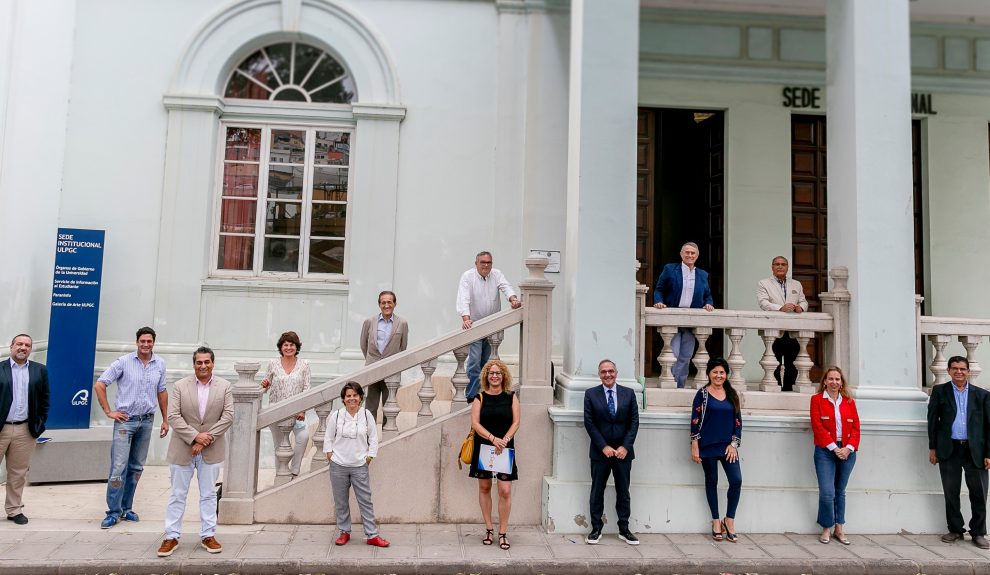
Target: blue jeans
x=833, y=475
x=683, y=347
x=128, y=452
x=481, y=350
x=733, y=472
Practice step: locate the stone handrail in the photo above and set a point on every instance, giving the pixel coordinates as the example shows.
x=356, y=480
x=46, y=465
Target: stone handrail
x=832, y=324
x=241, y=477
x=940, y=331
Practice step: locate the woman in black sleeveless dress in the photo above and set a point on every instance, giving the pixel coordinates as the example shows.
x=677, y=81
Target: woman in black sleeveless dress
x=495, y=420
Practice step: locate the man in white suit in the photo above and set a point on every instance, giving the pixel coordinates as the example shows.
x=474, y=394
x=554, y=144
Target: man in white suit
x=777, y=293
x=200, y=411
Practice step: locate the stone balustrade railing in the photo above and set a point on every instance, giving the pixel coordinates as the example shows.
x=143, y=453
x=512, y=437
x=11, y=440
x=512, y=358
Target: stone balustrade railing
x=241, y=478
x=939, y=332
x=829, y=326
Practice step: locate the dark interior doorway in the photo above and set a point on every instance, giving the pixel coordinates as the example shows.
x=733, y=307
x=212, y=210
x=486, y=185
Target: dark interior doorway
x=680, y=198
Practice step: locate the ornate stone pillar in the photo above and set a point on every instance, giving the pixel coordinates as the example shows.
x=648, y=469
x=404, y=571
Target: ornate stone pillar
x=240, y=473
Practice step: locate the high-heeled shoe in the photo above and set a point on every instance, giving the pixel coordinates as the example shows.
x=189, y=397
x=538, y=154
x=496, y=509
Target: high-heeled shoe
x=717, y=535
x=729, y=536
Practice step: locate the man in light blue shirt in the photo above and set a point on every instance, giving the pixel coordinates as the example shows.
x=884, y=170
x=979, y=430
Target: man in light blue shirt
x=140, y=379
x=382, y=335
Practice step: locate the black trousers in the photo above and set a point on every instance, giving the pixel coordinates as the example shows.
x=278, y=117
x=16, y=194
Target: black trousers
x=620, y=470
x=952, y=470
x=785, y=349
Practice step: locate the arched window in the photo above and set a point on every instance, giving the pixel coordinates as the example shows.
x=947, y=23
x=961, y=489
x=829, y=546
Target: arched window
x=283, y=184
x=291, y=72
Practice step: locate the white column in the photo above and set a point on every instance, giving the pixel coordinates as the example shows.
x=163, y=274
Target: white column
x=870, y=205
x=599, y=276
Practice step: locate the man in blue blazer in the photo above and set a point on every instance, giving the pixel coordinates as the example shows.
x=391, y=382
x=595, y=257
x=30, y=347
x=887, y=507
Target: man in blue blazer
x=23, y=413
x=611, y=417
x=683, y=285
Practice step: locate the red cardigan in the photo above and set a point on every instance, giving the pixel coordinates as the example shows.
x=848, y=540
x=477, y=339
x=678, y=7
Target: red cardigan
x=823, y=421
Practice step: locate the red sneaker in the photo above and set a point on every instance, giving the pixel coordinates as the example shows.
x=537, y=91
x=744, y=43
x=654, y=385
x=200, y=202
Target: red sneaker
x=377, y=541
x=344, y=538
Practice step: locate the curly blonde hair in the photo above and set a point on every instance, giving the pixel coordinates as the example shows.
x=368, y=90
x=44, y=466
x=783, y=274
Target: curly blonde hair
x=506, y=375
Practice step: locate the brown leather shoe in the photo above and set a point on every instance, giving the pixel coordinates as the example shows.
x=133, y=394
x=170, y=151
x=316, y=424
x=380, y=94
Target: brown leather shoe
x=168, y=546
x=952, y=537
x=981, y=542
x=212, y=545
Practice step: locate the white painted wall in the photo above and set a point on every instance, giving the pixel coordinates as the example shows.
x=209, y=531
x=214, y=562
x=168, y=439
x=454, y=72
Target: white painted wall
x=35, y=57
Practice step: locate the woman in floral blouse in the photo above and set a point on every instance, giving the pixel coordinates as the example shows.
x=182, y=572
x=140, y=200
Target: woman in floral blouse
x=716, y=430
x=285, y=377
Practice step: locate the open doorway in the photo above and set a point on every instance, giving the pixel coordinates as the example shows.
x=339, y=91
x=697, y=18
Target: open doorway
x=680, y=198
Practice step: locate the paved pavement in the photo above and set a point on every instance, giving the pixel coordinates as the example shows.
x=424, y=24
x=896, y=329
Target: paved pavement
x=64, y=537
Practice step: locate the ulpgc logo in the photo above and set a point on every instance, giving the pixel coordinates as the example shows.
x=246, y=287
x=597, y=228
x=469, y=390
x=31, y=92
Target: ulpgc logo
x=81, y=397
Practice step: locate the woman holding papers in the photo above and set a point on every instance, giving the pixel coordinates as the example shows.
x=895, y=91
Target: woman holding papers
x=495, y=420
x=716, y=430
x=351, y=442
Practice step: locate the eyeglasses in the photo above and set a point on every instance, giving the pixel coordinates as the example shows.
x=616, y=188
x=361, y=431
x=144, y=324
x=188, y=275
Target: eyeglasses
x=492, y=373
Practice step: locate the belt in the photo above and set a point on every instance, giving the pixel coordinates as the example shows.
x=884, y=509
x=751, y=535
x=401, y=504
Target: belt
x=21, y=422
x=960, y=441
x=144, y=416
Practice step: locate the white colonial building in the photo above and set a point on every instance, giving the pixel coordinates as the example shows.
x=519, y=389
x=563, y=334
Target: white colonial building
x=266, y=165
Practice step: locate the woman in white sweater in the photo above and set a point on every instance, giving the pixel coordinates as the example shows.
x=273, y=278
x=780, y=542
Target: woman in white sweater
x=351, y=442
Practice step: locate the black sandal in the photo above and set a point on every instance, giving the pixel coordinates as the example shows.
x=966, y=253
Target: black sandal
x=488, y=537
x=729, y=536
x=503, y=542
x=717, y=535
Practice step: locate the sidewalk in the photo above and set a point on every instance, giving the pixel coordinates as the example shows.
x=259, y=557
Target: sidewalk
x=64, y=537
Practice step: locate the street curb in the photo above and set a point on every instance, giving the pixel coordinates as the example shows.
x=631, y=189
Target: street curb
x=209, y=566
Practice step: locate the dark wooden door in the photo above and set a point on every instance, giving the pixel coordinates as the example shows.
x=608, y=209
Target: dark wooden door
x=917, y=182
x=680, y=171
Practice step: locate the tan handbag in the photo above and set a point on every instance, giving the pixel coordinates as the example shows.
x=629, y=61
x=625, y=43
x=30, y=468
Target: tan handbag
x=467, y=448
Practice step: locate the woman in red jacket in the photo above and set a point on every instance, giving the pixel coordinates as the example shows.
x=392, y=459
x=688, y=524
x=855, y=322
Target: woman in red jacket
x=835, y=423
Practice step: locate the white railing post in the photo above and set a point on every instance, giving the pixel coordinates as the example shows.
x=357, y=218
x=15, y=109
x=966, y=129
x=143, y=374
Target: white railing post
x=736, y=360
x=319, y=460
x=701, y=357
x=769, y=361
x=803, y=363
x=460, y=379
x=426, y=393
x=391, y=408
x=283, y=450
x=495, y=340
x=240, y=475
x=667, y=358
x=939, y=366
x=836, y=303
x=970, y=342
x=536, y=343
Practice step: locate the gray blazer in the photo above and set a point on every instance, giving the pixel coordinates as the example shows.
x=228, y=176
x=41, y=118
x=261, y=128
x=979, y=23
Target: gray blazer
x=771, y=298
x=396, y=342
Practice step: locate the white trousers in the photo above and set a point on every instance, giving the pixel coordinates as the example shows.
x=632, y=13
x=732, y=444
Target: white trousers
x=206, y=475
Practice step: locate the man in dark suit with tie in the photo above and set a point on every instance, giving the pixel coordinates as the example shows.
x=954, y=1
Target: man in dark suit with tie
x=683, y=285
x=24, y=407
x=958, y=441
x=611, y=417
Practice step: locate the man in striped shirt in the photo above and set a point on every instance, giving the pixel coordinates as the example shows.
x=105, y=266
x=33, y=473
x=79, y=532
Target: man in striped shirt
x=140, y=379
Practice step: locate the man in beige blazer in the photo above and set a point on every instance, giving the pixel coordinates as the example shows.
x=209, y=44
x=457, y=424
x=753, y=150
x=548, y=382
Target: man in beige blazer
x=200, y=410
x=777, y=293
x=382, y=335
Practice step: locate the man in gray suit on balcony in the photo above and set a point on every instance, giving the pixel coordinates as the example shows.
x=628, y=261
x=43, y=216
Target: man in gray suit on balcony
x=777, y=293
x=382, y=335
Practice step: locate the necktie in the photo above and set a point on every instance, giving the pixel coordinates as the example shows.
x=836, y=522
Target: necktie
x=611, y=403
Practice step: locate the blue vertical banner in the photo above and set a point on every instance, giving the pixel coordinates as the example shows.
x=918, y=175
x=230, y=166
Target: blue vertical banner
x=72, y=329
